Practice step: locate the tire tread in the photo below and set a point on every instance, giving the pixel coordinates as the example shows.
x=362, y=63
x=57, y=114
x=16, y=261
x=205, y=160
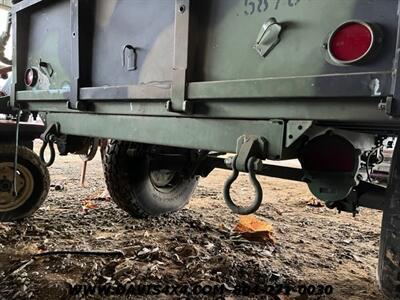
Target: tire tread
x=119, y=192
x=389, y=253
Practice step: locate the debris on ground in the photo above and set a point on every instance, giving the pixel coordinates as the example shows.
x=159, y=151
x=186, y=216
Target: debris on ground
x=88, y=204
x=99, y=196
x=194, y=246
x=313, y=202
x=58, y=186
x=254, y=229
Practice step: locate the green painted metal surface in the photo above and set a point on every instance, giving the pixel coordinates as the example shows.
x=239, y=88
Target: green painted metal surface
x=196, y=63
x=222, y=60
x=219, y=135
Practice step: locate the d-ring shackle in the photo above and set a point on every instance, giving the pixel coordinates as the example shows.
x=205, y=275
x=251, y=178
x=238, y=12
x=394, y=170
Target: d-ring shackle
x=253, y=180
x=52, y=153
x=48, y=138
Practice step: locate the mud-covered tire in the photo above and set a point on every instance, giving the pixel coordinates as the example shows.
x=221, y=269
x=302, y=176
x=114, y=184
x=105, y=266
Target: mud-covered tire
x=37, y=171
x=131, y=188
x=389, y=252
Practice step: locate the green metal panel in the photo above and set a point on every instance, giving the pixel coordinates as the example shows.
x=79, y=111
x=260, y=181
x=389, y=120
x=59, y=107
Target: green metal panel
x=232, y=27
x=207, y=134
x=222, y=36
x=204, y=55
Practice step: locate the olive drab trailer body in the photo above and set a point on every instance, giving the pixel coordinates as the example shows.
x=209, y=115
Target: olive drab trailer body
x=176, y=83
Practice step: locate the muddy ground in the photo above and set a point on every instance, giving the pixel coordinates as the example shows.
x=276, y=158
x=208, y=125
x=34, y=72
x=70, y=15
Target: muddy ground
x=313, y=245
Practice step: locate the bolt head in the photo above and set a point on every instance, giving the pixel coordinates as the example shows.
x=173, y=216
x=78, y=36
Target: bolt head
x=258, y=165
x=182, y=9
x=382, y=106
x=228, y=162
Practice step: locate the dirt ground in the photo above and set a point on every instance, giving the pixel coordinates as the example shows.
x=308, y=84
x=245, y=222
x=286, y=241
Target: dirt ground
x=313, y=245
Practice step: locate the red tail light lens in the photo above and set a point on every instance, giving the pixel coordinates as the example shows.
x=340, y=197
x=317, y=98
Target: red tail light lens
x=31, y=77
x=351, y=42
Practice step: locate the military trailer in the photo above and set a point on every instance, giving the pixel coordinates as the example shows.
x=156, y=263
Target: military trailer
x=177, y=85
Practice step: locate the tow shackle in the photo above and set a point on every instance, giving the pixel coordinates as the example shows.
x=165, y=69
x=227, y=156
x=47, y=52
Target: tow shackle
x=251, y=150
x=49, y=137
x=52, y=158
x=255, y=205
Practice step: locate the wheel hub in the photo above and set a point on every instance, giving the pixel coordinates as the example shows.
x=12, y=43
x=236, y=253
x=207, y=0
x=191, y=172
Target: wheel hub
x=5, y=186
x=162, y=178
x=24, y=186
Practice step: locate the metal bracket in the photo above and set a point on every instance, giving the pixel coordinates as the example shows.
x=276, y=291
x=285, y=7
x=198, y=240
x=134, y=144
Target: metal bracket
x=268, y=37
x=364, y=195
x=46, y=68
x=295, y=129
x=51, y=132
x=129, y=58
x=74, y=102
x=178, y=102
x=247, y=147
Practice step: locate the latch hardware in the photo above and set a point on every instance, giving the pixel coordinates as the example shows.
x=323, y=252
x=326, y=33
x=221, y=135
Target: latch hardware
x=268, y=37
x=129, y=58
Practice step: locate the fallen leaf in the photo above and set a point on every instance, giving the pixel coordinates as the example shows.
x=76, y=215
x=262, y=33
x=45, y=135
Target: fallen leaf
x=254, y=229
x=88, y=205
x=99, y=196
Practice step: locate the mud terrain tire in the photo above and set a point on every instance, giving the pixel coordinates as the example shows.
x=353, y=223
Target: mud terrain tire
x=132, y=188
x=389, y=252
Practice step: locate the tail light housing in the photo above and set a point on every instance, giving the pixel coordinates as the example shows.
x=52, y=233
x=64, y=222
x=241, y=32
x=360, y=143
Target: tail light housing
x=31, y=77
x=353, y=42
